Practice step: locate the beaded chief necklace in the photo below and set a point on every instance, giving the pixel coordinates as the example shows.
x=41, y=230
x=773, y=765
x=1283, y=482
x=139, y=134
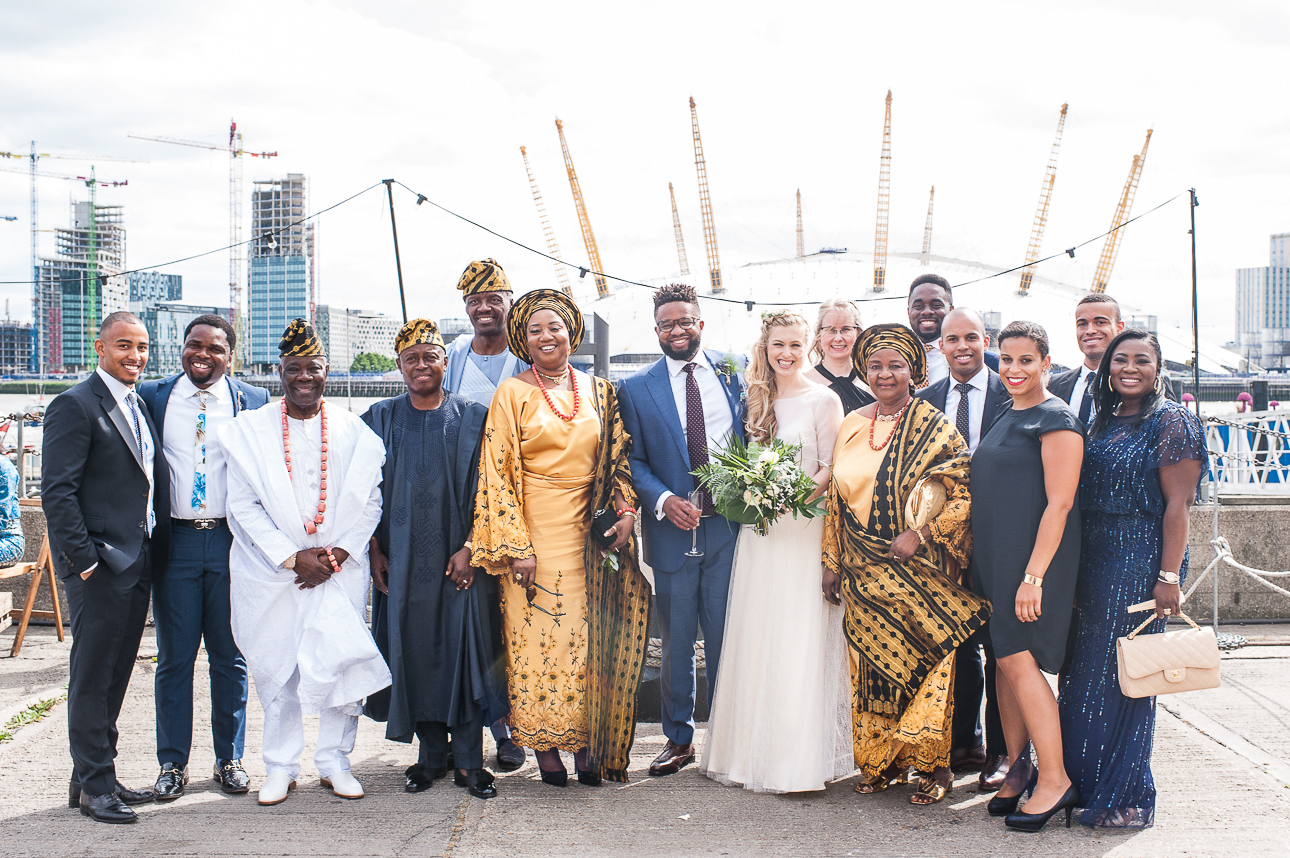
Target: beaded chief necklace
x=886, y=418
x=310, y=527
x=573, y=385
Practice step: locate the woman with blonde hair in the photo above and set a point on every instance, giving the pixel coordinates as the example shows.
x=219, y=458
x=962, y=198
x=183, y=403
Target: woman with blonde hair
x=836, y=330
x=780, y=718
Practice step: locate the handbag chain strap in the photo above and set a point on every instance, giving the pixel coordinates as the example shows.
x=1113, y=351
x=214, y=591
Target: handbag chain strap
x=1133, y=634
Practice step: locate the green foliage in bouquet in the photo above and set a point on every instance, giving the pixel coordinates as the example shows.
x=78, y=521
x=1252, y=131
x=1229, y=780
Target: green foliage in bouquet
x=757, y=483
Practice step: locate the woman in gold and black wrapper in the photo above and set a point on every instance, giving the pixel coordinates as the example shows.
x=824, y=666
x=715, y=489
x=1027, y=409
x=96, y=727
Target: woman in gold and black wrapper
x=905, y=609
x=554, y=453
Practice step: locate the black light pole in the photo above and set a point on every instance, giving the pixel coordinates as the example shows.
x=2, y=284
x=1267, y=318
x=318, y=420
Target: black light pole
x=389, y=190
x=1196, y=318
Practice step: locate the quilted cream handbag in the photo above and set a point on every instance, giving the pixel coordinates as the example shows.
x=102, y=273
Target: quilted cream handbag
x=1167, y=663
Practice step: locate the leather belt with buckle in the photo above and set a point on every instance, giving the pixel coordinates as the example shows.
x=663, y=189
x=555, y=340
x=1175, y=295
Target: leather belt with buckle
x=199, y=523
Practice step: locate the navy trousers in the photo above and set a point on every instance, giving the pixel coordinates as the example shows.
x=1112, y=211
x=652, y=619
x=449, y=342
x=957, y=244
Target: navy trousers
x=693, y=596
x=974, y=672
x=190, y=603
x=466, y=741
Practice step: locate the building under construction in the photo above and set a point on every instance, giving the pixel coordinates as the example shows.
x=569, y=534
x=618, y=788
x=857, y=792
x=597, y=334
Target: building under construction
x=70, y=305
x=282, y=265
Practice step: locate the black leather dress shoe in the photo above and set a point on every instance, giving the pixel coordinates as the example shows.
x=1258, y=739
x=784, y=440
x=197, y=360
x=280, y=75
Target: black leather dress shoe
x=232, y=778
x=478, y=782
x=510, y=756
x=134, y=796
x=994, y=773
x=968, y=759
x=419, y=778
x=171, y=782
x=106, y=808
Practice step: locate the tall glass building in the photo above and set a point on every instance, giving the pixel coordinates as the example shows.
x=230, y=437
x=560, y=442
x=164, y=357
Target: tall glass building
x=1263, y=308
x=281, y=275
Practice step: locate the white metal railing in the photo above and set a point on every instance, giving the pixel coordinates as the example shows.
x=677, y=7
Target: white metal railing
x=1249, y=453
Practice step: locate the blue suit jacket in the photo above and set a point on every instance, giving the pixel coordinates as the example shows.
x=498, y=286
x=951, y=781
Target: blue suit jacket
x=156, y=395
x=659, y=458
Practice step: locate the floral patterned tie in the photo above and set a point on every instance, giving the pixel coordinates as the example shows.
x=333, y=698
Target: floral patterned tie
x=199, y=455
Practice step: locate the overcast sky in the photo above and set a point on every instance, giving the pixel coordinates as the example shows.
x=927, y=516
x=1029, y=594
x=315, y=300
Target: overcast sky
x=442, y=95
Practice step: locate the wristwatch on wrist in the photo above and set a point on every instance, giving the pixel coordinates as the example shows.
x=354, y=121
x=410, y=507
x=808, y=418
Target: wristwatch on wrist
x=1169, y=577
x=290, y=562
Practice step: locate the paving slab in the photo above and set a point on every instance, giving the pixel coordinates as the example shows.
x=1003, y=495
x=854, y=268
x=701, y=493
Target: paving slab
x=1213, y=800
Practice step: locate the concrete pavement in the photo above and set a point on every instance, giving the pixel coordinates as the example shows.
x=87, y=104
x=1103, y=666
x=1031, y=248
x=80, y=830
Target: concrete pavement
x=1222, y=766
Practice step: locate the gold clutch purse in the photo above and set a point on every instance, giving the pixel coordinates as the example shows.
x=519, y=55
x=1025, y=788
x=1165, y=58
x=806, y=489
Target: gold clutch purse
x=924, y=502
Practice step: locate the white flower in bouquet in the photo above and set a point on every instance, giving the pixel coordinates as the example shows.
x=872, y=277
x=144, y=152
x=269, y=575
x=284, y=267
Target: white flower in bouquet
x=758, y=483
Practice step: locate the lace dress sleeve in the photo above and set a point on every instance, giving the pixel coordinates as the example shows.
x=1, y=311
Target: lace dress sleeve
x=1181, y=436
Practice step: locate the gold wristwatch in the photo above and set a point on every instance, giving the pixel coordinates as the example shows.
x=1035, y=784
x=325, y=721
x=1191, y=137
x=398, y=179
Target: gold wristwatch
x=289, y=563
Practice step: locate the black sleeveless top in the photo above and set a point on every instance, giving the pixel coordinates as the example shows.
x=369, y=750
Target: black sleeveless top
x=852, y=397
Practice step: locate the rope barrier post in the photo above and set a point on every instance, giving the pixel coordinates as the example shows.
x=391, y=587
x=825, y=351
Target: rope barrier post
x=1195, y=318
x=389, y=192
x=1213, y=491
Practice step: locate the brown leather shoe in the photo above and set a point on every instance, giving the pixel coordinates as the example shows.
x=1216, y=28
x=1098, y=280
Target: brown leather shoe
x=993, y=773
x=674, y=758
x=968, y=759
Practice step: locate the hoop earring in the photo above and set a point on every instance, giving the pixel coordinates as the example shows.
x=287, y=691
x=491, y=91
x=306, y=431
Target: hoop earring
x=1160, y=384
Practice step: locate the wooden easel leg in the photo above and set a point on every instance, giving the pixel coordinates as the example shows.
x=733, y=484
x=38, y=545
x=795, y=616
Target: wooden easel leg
x=32, y=589
x=53, y=593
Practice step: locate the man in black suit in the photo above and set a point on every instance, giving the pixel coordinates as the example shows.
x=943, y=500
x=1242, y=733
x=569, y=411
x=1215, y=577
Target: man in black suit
x=930, y=300
x=190, y=596
x=1097, y=321
x=973, y=396
x=101, y=475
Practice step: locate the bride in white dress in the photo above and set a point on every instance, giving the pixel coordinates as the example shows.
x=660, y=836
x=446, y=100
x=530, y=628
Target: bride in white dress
x=781, y=719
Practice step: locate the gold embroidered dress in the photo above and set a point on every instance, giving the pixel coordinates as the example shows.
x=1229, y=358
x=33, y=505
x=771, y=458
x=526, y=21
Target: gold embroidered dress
x=572, y=677
x=903, y=620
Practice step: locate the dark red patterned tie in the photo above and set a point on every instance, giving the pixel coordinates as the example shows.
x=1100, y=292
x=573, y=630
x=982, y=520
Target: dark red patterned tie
x=696, y=433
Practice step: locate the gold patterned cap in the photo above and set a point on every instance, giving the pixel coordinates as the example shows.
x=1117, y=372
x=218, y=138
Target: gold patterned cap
x=892, y=336
x=483, y=275
x=300, y=340
x=542, y=299
x=418, y=332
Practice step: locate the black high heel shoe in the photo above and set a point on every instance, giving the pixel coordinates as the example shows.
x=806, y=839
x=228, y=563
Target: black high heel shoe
x=1033, y=822
x=1000, y=806
x=584, y=778
x=555, y=777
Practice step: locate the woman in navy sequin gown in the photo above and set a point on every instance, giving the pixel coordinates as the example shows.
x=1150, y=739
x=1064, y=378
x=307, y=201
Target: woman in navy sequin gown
x=1142, y=465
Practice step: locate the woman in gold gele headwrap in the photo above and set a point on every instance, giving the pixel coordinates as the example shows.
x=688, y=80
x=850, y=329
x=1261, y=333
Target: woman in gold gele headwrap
x=905, y=610
x=575, y=627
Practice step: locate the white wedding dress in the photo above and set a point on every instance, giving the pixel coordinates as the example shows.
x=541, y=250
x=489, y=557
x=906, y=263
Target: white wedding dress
x=781, y=716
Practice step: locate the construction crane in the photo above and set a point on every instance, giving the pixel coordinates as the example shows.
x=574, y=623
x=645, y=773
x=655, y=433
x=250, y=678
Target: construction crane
x=801, y=245
x=884, y=199
x=588, y=237
x=1112, y=246
x=1041, y=214
x=705, y=205
x=33, y=160
x=925, y=258
x=676, y=226
x=237, y=253
x=548, y=233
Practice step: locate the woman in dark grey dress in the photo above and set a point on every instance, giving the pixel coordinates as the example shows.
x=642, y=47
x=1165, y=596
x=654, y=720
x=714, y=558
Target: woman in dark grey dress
x=1025, y=534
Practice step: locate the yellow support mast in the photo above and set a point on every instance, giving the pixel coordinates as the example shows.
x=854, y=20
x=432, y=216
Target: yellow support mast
x=1112, y=246
x=588, y=237
x=926, y=257
x=705, y=205
x=1041, y=214
x=552, y=247
x=680, y=241
x=801, y=244
x=884, y=199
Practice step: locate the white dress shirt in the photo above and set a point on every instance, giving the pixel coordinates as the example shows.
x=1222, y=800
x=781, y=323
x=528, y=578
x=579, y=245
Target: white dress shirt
x=937, y=366
x=119, y=391
x=1077, y=392
x=976, y=404
x=179, y=442
x=718, y=422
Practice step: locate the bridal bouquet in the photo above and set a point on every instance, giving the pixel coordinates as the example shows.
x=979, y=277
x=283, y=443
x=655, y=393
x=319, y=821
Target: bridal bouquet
x=757, y=483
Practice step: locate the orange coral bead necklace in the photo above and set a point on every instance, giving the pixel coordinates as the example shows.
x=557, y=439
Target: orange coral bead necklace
x=312, y=526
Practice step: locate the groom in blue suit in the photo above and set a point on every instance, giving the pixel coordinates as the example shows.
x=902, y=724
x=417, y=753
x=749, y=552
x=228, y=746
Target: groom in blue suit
x=688, y=401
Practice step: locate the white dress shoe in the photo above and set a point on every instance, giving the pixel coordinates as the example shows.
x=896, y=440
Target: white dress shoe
x=275, y=789
x=344, y=785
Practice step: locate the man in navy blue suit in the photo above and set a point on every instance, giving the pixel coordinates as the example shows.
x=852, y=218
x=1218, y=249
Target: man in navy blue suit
x=190, y=590
x=687, y=402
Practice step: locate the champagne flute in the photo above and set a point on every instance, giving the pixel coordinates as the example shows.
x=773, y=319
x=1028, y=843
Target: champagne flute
x=696, y=500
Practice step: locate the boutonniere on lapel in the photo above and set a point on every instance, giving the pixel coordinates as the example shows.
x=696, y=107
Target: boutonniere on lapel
x=728, y=368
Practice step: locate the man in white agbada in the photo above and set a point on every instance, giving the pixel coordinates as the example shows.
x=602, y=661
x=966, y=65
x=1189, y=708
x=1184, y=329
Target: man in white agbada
x=303, y=501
